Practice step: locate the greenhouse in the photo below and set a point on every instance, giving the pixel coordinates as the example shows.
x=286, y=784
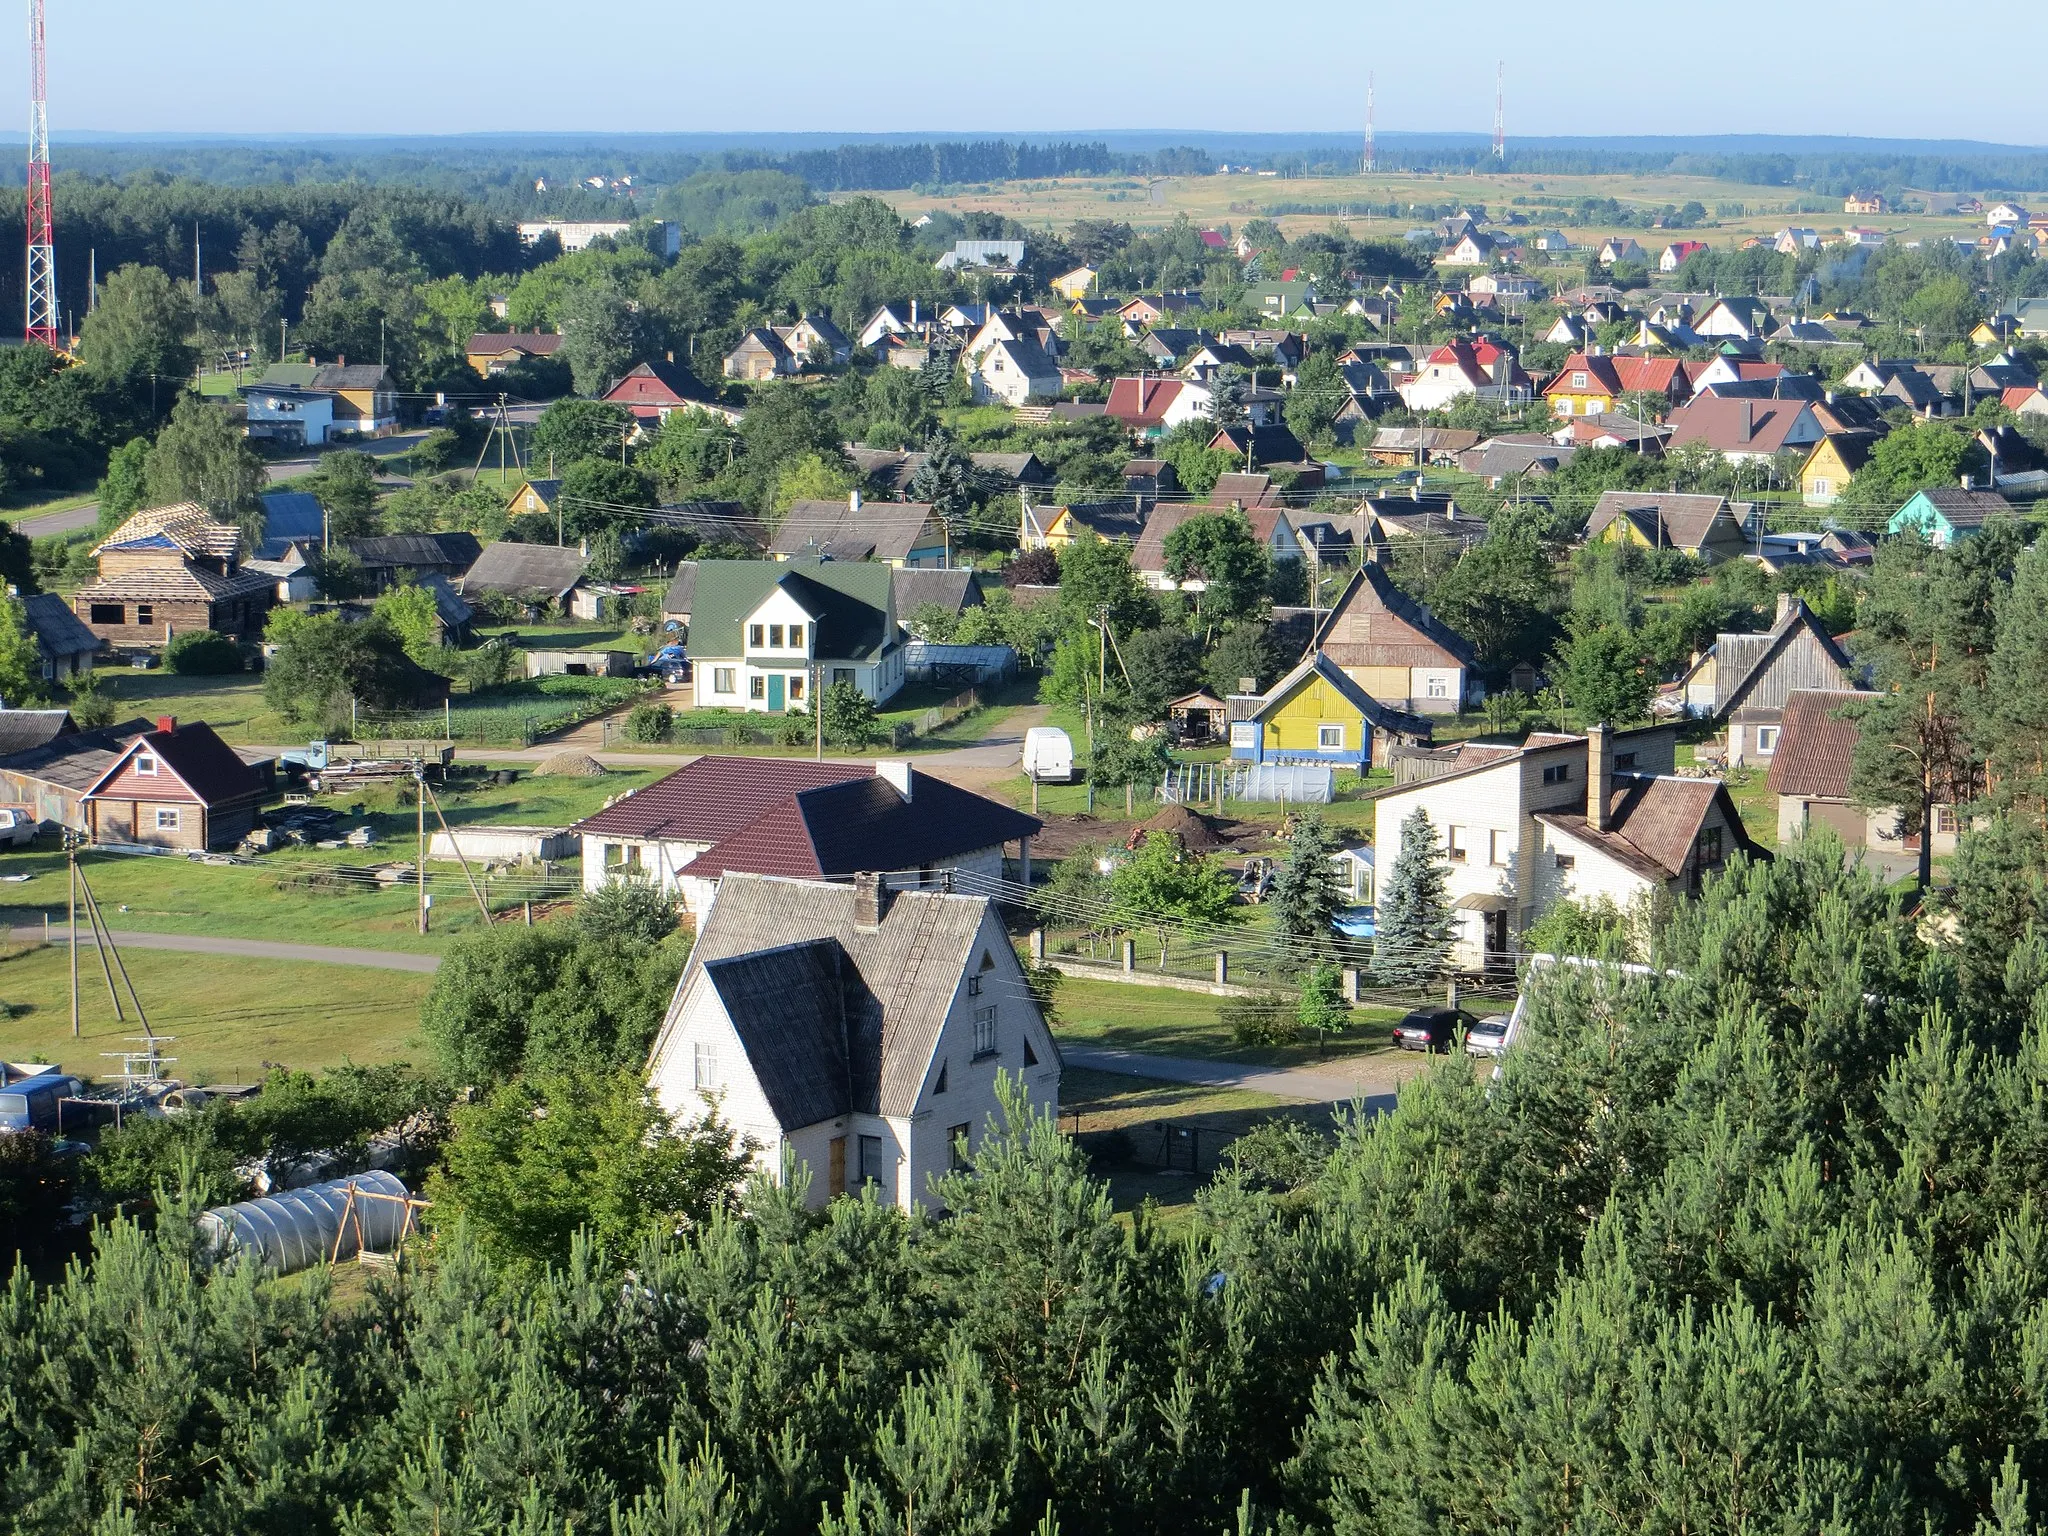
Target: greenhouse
x=340, y=1219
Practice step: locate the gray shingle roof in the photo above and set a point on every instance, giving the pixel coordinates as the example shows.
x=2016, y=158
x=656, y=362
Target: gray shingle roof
x=519, y=568
x=22, y=729
x=59, y=632
x=879, y=1014
x=889, y=530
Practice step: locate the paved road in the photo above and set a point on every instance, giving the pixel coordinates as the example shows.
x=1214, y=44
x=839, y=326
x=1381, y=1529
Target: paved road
x=1374, y=1079
x=60, y=522
x=247, y=949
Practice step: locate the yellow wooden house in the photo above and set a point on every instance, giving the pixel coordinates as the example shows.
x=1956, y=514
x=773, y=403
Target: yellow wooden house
x=1057, y=527
x=1075, y=285
x=1317, y=714
x=1828, y=468
x=533, y=498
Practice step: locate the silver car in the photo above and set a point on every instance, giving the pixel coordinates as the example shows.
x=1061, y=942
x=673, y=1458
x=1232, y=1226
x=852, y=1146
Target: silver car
x=1488, y=1037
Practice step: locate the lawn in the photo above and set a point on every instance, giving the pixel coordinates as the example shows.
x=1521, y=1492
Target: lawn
x=1169, y=1022
x=265, y=899
x=230, y=1018
x=232, y=705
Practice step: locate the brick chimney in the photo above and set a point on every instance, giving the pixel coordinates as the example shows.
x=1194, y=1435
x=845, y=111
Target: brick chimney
x=167, y=725
x=870, y=901
x=1745, y=424
x=1599, y=775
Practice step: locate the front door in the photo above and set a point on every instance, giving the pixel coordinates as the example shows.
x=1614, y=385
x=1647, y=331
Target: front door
x=775, y=691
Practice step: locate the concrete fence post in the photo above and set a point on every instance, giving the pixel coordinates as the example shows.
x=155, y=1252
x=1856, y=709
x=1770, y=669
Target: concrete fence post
x=1350, y=983
x=1222, y=966
x=1130, y=954
x=1038, y=945
x=1451, y=993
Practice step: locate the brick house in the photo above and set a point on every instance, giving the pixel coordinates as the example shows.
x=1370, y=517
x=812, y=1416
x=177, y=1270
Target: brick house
x=168, y=571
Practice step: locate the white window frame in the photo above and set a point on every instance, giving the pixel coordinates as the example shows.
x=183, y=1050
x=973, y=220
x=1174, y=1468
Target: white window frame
x=145, y=765
x=704, y=1065
x=1767, y=739
x=1500, y=848
x=1436, y=688
x=168, y=819
x=985, y=1032
x=725, y=680
x=1330, y=738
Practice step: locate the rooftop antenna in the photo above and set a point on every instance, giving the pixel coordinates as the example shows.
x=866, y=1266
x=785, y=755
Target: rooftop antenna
x=42, y=240
x=1500, y=112
x=1372, y=157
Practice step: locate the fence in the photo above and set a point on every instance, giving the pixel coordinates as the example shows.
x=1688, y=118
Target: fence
x=501, y=724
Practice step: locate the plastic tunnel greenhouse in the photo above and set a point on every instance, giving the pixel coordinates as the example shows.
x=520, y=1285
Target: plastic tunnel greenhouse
x=301, y=1227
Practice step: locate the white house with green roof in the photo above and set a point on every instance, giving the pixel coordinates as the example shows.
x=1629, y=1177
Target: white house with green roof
x=762, y=630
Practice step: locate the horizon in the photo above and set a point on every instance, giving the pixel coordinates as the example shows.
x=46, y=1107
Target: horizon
x=128, y=68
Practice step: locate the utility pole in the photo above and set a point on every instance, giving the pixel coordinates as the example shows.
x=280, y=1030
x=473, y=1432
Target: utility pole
x=71, y=858
x=818, y=711
x=419, y=789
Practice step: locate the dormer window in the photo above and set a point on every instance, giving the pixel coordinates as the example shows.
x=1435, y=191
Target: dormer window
x=145, y=765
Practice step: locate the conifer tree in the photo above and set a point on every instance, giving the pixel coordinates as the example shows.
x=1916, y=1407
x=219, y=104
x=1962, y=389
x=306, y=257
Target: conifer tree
x=1308, y=893
x=1414, y=923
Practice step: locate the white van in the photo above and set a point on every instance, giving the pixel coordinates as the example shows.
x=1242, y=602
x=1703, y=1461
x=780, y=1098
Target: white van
x=1048, y=755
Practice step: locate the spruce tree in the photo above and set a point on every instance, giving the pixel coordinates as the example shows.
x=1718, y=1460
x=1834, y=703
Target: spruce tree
x=1414, y=935
x=1308, y=893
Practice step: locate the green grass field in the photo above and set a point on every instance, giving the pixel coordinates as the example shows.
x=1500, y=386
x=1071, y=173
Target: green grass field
x=1168, y=1022
x=230, y=1016
x=263, y=900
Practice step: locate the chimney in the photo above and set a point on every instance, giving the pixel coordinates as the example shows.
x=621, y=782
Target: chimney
x=897, y=771
x=870, y=901
x=913, y=314
x=341, y=359
x=1966, y=482
x=1599, y=774
x=1785, y=601
x=1745, y=426
x=1831, y=397
x=853, y=500
x=167, y=725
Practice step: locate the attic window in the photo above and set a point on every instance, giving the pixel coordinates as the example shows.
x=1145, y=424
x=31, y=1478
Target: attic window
x=988, y=961
x=1030, y=1056
x=145, y=765
x=940, y=1085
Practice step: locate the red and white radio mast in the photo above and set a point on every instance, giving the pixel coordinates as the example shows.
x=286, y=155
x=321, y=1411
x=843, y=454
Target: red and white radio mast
x=42, y=239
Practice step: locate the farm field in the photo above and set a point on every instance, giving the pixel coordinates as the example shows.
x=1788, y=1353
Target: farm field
x=1210, y=200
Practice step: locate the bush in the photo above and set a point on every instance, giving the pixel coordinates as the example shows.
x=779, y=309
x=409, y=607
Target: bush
x=649, y=723
x=1280, y=1155
x=90, y=708
x=1266, y=1020
x=202, y=653
x=795, y=731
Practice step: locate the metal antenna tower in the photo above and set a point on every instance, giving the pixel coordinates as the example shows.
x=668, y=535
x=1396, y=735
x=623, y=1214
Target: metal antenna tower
x=42, y=243
x=1500, y=112
x=1372, y=155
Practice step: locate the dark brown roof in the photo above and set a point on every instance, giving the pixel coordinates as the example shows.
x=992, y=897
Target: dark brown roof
x=1687, y=518
x=418, y=549
x=516, y=569
x=712, y=798
x=1653, y=822
x=864, y=824
x=498, y=343
x=1815, y=745
x=206, y=765
x=1376, y=624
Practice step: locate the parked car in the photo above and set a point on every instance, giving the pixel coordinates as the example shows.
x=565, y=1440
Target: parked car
x=17, y=828
x=1488, y=1037
x=1431, y=1029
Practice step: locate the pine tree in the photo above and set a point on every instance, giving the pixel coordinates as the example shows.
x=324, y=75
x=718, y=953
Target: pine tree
x=1414, y=935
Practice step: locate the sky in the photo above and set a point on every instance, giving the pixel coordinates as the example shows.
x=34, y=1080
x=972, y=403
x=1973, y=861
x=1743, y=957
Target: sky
x=1880, y=68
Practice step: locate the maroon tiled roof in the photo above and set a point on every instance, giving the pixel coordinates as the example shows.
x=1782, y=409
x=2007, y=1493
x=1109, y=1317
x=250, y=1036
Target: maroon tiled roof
x=863, y=824
x=713, y=798
x=1652, y=822
x=1814, y=745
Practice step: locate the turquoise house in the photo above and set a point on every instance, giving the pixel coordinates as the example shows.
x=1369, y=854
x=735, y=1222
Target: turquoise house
x=1947, y=513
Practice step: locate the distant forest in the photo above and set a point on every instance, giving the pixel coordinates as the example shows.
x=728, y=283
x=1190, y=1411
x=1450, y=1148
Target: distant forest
x=503, y=175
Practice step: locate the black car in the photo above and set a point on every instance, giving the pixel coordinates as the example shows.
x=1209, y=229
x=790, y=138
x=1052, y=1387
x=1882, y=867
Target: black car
x=1432, y=1029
